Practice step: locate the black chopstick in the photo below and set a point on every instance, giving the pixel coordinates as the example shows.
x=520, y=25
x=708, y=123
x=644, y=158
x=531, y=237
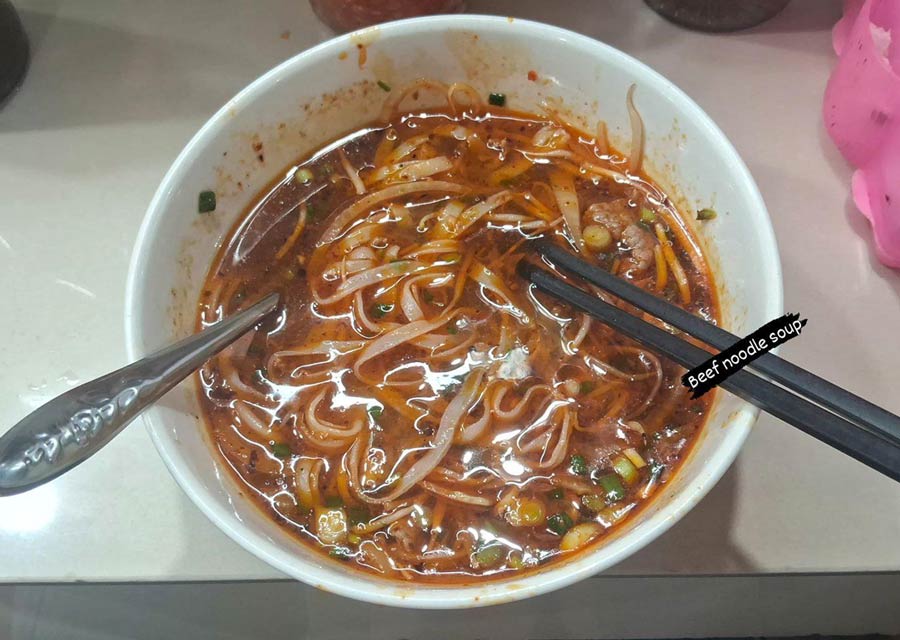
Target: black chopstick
x=827, y=394
x=832, y=429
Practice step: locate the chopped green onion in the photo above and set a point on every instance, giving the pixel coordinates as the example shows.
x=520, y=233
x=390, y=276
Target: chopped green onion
x=578, y=465
x=586, y=387
x=352, y=538
x=376, y=412
x=426, y=295
x=206, y=202
x=516, y=561
x=647, y=216
x=597, y=237
x=559, y=523
x=613, y=488
x=334, y=502
x=626, y=469
x=556, y=494
x=497, y=99
x=488, y=555
x=706, y=214
x=452, y=330
x=593, y=502
x=303, y=176
x=340, y=553
x=384, y=85
x=281, y=450
x=632, y=454
x=452, y=258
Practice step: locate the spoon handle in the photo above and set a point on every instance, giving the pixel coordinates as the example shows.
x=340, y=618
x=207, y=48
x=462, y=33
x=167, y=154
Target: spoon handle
x=75, y=425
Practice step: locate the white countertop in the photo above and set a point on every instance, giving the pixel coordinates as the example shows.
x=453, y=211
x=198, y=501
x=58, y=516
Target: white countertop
x=117, y=88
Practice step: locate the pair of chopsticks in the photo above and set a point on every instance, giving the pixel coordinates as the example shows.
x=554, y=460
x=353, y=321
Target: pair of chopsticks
x=817, y=407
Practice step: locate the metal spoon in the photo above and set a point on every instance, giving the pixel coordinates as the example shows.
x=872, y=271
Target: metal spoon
x=74, y=426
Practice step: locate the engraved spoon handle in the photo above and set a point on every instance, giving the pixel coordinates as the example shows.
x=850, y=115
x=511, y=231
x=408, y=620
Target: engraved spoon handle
x=74, y=426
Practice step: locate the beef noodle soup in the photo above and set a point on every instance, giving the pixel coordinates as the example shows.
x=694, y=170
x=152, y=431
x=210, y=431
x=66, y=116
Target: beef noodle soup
x=415, y=409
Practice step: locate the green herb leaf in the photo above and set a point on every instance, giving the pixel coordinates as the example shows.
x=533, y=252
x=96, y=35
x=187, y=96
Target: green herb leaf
x=612, y=486
x=488, y=555
x=281, y=450
x=384, y=85
x=647, y=216
x=578, y=465
x=340, y=553
x=427, y=297
x=497, y=99
x=303, y=176
x=706, y=214
x=375, y=413
x=206, y=202
x=452, y=330
x=586, y=387
x=559, y=523
x=593, y=502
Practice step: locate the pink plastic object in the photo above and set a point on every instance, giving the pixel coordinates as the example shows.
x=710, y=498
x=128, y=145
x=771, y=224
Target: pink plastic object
x=862, y=114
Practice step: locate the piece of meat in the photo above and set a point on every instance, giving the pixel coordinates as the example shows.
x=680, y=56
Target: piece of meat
x=621, y=219
x=615, y=215
x=641, y=243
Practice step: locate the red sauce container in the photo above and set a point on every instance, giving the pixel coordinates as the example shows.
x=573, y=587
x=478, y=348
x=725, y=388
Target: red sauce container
x=347, y=15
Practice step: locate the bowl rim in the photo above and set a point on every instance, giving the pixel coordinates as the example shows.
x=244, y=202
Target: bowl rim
x=471, y=594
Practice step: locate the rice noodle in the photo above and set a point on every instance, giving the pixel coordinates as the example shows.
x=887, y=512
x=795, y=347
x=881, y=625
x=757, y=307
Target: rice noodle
x=491, y=282
x=443, y=438
x=412, y=169
x=306, y=481
x=324, y=434
x=567, y=200
x=471, y=215
x=384, y=520
x=518, y=409
x=249, y=419
x=456, y=495
x=369, y=277
x=399, y=190
x=636, y=157
x=394, y=338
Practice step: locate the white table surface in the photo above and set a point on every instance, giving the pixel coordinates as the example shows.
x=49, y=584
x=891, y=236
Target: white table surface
x=117, y=87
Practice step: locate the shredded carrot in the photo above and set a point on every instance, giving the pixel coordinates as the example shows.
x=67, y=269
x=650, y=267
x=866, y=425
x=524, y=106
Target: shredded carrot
x=437, y=514
x=685, y=241
x=396, y=402
x=662, y=273
x=534, y=206
x=681, y=280
x=343, y=486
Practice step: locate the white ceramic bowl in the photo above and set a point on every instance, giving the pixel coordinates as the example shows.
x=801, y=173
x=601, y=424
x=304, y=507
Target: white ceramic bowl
x=326, y=91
